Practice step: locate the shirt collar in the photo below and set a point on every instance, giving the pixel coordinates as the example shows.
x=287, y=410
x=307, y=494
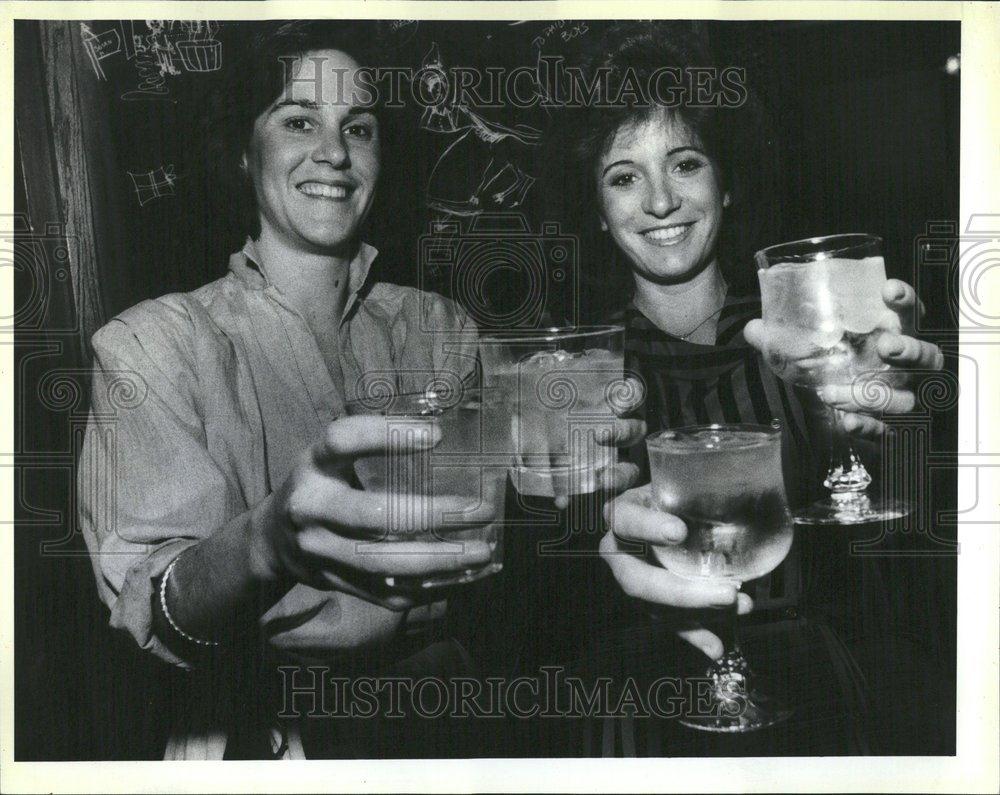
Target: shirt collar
x=246, y=264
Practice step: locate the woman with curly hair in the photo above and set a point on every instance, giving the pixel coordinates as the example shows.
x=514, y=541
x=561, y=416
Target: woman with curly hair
x=678, y=190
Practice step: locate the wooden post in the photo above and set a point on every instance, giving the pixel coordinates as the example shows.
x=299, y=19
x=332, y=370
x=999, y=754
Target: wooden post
x=68, y=162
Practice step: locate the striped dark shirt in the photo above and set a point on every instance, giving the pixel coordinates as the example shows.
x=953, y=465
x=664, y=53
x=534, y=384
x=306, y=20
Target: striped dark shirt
x=844, y=603
x=691, y=384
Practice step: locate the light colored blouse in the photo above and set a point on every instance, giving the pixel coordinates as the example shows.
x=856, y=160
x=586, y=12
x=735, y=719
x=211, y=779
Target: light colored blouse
x=202, y=404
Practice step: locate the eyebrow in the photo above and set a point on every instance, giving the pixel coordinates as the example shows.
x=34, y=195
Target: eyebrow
x=308, y=104
x=301, y=103
x=671, y=153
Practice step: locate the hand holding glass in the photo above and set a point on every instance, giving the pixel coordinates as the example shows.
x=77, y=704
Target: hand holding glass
x=725, y=482
x=823, y=311
x=470, y=461
x=560, y=387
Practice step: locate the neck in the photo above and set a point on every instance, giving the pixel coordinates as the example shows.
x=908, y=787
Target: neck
x=316, y=284
x=678, y=308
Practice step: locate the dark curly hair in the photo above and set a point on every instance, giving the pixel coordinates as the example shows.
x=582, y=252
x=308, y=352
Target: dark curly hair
x=738, y=138
x=251, y=83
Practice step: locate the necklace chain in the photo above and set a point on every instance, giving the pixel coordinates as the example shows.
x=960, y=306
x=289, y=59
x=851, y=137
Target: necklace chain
x=703, y=322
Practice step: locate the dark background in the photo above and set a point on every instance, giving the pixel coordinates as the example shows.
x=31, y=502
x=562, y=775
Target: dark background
x=865, y=138
x=866, y=124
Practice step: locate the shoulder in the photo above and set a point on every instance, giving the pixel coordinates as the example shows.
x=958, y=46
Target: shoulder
x=167, y=328
x=433, y=311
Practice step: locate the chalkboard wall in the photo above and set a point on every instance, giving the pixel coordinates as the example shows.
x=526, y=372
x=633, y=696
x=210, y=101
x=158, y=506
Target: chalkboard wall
x=865, y=123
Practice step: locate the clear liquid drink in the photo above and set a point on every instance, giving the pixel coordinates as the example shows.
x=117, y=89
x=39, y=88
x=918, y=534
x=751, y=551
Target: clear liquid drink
x=560, y=399
x=825, y=318
x=469, y=461
x=560, y=390
x=725, y=483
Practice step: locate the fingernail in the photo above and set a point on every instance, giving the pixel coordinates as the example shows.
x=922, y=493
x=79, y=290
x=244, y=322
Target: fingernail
x=398, y=603
x=723, y=596
x=898, y=292
x=673, y=532
x=472, y=508
x=479, y=551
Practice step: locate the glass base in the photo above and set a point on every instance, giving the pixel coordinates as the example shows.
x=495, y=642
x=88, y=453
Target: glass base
x=443, y=580
x=733, y=705
x=852, y=508
x=556, y=481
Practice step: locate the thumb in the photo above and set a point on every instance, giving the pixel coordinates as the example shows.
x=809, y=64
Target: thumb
x=705, y=640
x=350, y=437
x=755, y=335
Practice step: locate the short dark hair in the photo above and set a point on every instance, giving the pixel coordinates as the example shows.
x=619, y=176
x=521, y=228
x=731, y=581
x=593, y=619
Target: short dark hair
x=253, y=80
x=738, y=138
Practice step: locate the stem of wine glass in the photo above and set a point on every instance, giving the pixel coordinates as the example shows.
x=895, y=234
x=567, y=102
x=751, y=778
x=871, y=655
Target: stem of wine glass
x=847, y=477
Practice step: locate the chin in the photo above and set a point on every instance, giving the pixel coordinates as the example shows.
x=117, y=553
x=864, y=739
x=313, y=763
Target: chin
x=670, y=274
x=332, y=243
x=332, y=236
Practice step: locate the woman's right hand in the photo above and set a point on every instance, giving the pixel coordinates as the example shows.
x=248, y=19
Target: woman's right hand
x=633, y=522
x=321, y=531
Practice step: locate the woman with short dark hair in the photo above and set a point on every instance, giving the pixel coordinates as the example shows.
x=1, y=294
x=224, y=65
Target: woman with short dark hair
x=228, y=539
x=672, y=188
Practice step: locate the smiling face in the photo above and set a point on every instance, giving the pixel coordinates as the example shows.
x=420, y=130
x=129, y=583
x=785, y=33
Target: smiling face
x=660, y=197
x=314, y=157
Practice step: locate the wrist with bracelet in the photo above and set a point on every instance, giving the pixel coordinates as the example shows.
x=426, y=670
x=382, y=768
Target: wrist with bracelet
x=166, y=611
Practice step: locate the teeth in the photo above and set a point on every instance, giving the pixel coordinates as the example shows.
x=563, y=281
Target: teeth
x=326, y=191
x=666, y=235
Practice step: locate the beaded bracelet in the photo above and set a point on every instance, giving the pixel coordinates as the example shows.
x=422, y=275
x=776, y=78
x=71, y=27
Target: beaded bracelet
x=163, y=605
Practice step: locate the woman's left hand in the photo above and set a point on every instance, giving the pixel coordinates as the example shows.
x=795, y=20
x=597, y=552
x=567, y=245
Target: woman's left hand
x=908, y=357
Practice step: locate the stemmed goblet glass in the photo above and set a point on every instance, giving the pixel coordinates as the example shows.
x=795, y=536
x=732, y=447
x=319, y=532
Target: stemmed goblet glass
x=823, y=311
x=725, y=482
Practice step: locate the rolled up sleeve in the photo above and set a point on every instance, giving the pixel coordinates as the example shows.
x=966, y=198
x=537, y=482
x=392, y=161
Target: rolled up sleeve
x=147, y=485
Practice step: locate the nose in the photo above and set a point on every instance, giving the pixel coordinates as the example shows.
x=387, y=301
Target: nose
x=330, y=148
x=660, y=200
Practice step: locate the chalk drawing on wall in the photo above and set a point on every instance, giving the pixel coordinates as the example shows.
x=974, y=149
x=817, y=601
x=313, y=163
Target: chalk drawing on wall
x=482, y=168
x=154, y=184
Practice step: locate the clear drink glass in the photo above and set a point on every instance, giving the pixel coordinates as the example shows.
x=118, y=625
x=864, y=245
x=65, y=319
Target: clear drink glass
x=471, y=460
x=725, y=482
x=822, y=305
x=561, y=386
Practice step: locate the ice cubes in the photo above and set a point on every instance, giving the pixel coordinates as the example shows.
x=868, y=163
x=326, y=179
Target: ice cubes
x=542, y=359
x=857, y=289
